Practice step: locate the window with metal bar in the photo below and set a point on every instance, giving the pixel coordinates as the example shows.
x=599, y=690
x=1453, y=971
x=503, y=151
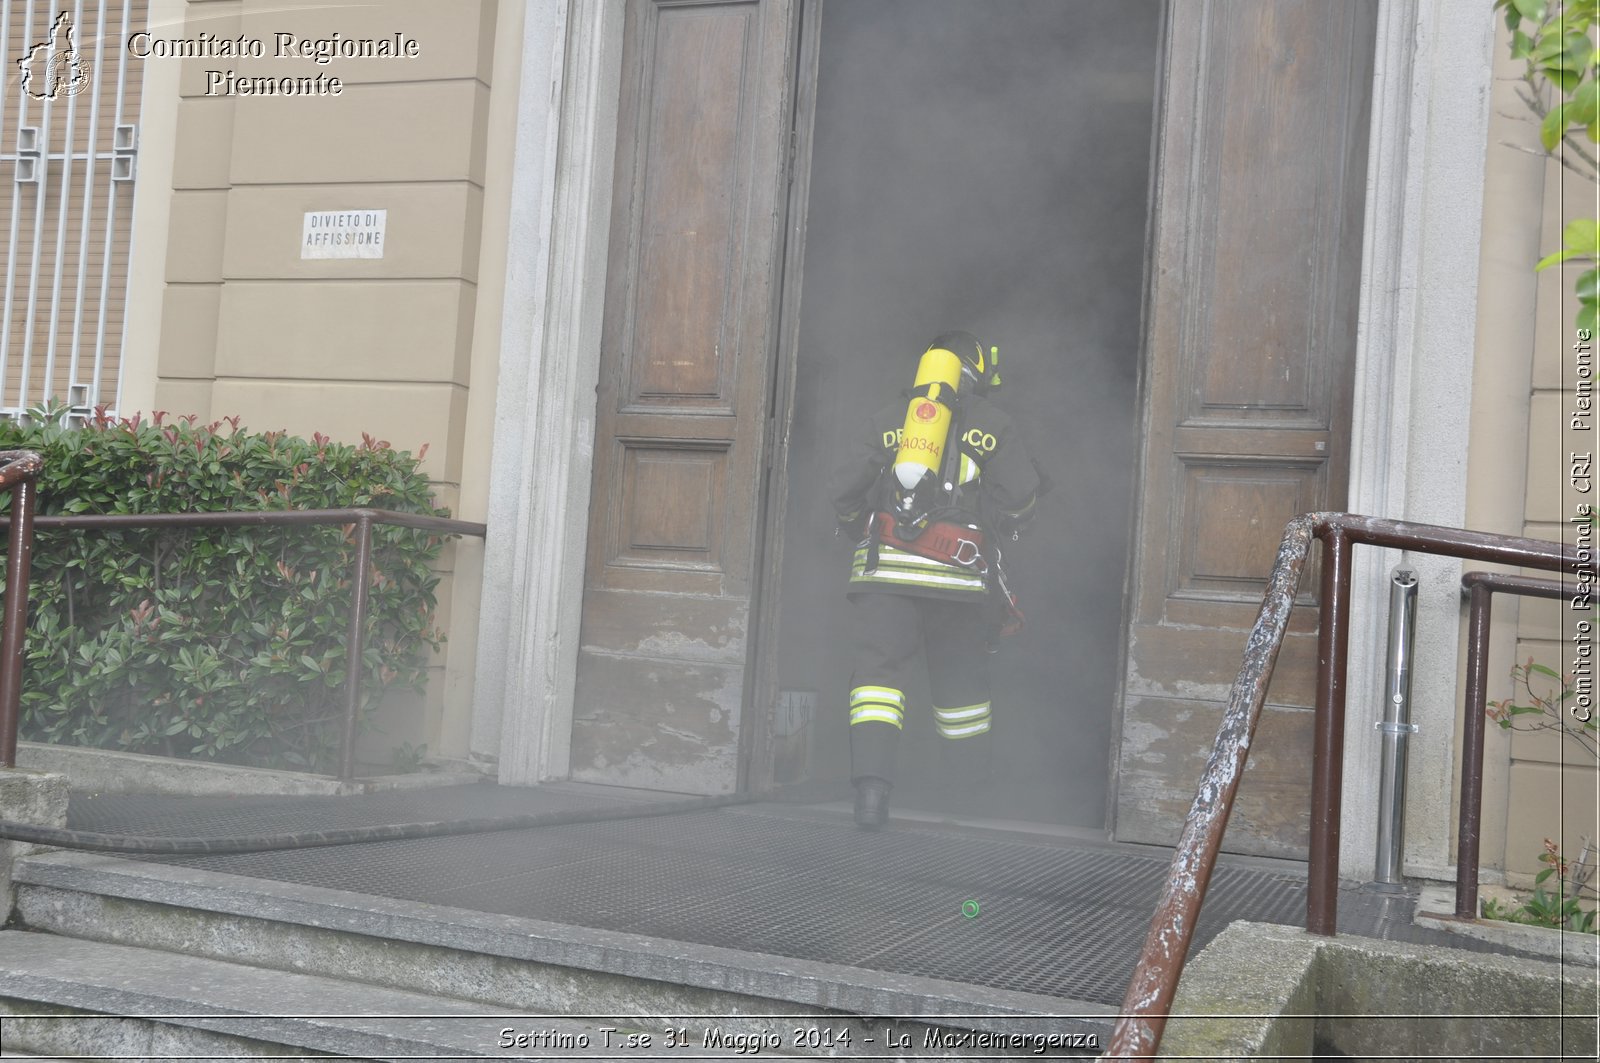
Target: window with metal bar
x=69, y=112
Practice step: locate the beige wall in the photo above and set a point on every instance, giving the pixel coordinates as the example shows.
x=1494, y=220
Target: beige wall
x=1537, y=785
x=341, y=346
x=402, y=347
x=1502, y=367
x=1553, y=781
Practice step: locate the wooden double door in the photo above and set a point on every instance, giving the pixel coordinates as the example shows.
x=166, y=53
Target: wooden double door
x=1187, y=393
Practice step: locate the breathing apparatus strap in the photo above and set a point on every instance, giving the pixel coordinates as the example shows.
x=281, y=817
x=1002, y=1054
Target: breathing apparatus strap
x=950, y=460
x=872, y=543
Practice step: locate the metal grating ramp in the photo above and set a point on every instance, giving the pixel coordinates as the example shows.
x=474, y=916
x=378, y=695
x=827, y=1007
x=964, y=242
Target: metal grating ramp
x=1057, y=918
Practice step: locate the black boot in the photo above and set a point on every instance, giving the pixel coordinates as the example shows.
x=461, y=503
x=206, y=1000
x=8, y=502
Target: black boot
x=872, y=802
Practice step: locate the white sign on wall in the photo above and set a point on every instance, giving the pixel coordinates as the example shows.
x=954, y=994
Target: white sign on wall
x=343, y=234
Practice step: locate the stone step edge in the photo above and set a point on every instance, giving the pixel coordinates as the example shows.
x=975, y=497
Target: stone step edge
x=804, y=983
x=311, y=1012
x=491, y=981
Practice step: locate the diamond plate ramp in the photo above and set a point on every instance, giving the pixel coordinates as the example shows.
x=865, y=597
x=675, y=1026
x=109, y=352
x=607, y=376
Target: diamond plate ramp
x=1054, y=918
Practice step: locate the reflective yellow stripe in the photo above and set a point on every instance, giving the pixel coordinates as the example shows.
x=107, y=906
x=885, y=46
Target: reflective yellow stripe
x=965, y=730
x=897, y=567
x=895, y=555
x=959, y=586
x=1025, y=510
x=877, y=705
x=965, y=721
x=966, y=712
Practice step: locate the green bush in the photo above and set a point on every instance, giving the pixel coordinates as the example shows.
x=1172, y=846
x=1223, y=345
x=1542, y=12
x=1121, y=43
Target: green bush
x=213, y=643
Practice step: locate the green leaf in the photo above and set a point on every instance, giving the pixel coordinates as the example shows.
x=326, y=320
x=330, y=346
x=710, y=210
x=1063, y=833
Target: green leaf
x=1554, y=259
x=1521, y=45
x=1588, y=319
x=1544, y=670
x=1587, y=287
x=1579, y=52
x=1585, y=104
x=1549, y=44
x=1532, y=10
x=1566, y=53
x=1553, y=126
x=1582, y=235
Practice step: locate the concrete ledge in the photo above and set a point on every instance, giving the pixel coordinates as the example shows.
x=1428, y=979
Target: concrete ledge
x=77, y=1035
x=491, y=958
x=190, y=1004
x=1436, y=907
x=1383, y=998
x=36, y=798
x=1265, y=990
x=1250, y=994
x=107, y=771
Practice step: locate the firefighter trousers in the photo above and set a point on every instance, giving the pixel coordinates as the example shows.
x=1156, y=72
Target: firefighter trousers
x=887, y=631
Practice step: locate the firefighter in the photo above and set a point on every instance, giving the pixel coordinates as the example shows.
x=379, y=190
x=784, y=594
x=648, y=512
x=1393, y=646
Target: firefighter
x=929, y=494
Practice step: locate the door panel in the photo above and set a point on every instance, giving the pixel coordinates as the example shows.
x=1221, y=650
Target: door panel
x=1178, y=736
x=1250, y=356
x=682, y=404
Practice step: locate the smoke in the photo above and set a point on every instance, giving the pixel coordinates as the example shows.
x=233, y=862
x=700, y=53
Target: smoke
x=982, y=167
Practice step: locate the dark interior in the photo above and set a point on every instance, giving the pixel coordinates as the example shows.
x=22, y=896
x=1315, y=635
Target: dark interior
x=981, y=167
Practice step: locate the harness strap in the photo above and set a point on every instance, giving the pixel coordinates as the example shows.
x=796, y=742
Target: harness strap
x=941, y=540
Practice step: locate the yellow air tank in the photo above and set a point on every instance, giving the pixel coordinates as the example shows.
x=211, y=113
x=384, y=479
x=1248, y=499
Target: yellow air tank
x=922, y=439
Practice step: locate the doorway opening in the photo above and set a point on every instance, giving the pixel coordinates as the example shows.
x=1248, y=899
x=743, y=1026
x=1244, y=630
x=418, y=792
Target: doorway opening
x=983, y=168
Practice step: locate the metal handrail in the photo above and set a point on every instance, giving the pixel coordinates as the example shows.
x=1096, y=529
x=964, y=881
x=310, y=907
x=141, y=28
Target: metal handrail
x=1481, y=588
x=355, y=636
x=19, y=474
x=1148, y=1000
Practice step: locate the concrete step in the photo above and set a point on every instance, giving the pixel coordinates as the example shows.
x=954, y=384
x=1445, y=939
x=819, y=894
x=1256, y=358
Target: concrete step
x=67, y=996
x=520, y=964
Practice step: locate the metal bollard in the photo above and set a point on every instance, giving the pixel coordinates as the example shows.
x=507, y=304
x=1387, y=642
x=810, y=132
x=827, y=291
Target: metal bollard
x=1397, y=728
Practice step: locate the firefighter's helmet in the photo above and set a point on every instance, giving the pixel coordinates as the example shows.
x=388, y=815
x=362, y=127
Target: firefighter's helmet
x=980, y=366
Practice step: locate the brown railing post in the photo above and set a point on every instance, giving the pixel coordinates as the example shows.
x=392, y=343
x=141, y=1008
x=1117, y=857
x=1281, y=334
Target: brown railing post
x=1333, y=651
x=1155, y=978
x=1481, y=588
x=19, y=558
x=1479, y=598
x=1166, y=945
x=355, y=647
